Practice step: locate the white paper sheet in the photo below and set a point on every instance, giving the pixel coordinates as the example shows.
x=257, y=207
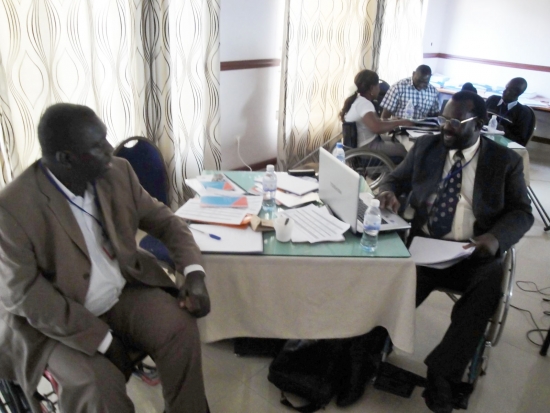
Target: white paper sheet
x=312, y=224
x=232, y=239
x=295, y=185
x=193, y=211
x=437, y=253
x=291, y=200
x=515, y=145
x=417, y=133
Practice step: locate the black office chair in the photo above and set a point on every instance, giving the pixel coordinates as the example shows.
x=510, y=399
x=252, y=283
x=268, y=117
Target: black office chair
x=148, y=164
x=384, y=87
x=12, y=398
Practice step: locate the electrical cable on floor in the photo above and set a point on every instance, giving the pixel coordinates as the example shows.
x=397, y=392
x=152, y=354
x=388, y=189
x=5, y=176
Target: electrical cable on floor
x=536, y=290
x=547, y=313
x=239, y=154
x=540, y=330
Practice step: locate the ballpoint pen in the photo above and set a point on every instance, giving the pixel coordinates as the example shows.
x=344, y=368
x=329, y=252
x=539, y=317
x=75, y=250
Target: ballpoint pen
x=213, y=236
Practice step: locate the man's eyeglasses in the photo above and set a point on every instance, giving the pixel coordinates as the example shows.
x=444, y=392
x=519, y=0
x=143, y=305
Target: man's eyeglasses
x=455, y=123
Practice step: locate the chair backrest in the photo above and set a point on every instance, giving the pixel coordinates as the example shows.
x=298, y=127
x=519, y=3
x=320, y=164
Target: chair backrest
x=384, y=87
x=148, y=164
x=349, y=132
x=443, y=104
x=533, y=125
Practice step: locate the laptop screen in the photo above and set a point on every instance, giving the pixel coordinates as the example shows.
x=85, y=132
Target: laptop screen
x=339, y=188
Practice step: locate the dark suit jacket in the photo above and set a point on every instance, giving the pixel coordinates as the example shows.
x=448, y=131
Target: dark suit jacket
x=500, y=202
x=45, y=266
x=521, y=116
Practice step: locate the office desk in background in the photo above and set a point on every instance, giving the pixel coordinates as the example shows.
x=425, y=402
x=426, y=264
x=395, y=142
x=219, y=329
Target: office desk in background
x=326, y=290
x=520, y=150
x=541, y=108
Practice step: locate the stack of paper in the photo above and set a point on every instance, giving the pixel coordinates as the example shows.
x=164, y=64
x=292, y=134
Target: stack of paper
x=294, y=185
x=312, y=224
x=436, y=253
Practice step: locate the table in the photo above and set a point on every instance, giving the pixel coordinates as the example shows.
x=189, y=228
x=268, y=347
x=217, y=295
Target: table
x=326, y=290
x=500, y=139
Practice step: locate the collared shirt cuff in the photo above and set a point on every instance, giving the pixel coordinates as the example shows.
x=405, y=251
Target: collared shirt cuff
x=191, y=268
x=104, y=346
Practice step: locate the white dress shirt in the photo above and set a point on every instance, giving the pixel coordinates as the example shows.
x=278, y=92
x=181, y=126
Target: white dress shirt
x=106, y=280
x=463, y=222
x=510, y=105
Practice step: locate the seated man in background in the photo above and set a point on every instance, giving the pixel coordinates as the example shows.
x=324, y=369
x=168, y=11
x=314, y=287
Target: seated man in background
x=468, y=87
x=515, y=119
x=463, y=187
x=76, y=292
x=417, y=89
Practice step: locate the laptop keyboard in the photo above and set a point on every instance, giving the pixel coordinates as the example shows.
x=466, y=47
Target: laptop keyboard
x=361, y=209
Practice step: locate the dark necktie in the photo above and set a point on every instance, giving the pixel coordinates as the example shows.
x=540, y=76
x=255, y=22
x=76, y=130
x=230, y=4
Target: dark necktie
x=444, y=207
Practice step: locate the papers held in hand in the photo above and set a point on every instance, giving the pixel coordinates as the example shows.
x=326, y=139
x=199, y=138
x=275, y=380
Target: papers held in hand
x=436, y=253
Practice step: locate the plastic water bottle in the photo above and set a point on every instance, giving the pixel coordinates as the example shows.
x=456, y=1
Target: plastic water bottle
x=493, y=122
x=269, y=188
x=339, y=153
x=371, y=226
x=409, y=110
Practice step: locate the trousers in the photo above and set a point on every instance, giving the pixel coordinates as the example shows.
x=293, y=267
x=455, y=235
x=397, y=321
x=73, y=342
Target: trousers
x=480, y=281
x=147, y=319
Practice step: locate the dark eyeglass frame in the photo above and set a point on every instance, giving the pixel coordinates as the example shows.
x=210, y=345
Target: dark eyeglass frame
x=455, y=123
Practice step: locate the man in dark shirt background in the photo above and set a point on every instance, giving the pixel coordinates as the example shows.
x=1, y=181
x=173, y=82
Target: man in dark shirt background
x=514, y=119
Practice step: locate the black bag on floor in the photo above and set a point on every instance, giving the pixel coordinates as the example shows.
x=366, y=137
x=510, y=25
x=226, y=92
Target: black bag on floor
x=310, y=369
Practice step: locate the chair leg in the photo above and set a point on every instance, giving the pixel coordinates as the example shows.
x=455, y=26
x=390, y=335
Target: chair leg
x=540, y=209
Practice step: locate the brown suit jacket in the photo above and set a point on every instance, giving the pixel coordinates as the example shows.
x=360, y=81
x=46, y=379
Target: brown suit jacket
x=45, y=266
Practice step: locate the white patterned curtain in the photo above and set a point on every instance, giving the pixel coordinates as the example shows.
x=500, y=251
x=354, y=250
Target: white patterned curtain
x=326, y=43
x=401, y=40
x=147, y=67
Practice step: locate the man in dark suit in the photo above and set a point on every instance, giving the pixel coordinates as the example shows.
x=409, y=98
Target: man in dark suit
x=463, y=187
x=515, y=119
x=76, y=292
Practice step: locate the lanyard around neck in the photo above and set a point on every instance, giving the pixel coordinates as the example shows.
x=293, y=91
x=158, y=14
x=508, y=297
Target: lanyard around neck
x=97, y=220
x=452, y=173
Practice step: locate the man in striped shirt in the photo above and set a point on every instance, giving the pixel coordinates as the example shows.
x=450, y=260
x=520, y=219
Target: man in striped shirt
x=417, y=89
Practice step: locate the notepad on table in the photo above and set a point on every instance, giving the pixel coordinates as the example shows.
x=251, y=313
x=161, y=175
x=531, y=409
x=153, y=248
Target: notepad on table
x=221, y=201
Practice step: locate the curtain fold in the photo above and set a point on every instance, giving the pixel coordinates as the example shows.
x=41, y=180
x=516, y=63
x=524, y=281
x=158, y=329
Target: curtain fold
x=401, y=39
x=326, y=43
x=147, y=67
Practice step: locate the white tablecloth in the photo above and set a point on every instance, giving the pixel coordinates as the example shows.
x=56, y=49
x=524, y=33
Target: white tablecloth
x=309, y=297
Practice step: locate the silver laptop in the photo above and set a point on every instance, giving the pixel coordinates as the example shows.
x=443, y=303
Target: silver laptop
x=339, y=187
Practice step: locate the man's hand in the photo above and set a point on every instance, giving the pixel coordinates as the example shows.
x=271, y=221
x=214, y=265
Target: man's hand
x=193, y=295
x=486, y=245
x=388, y=200
x=118, y=355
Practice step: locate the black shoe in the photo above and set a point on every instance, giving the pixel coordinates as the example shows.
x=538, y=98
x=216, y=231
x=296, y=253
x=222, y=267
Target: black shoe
x=438, y=394
x=354, y=385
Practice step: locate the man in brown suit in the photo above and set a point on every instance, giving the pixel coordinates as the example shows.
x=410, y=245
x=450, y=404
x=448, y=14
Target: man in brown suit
x=76, y=292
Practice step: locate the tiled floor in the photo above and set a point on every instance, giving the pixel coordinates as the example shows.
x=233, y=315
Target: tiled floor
x=518, y=379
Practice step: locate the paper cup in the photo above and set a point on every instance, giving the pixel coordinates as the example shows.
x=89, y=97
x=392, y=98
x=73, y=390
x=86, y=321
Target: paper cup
x=283, y=228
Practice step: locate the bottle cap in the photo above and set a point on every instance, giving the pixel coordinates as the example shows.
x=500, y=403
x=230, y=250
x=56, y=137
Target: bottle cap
x=270, y=168
x=339, y=144
x=375, y=203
